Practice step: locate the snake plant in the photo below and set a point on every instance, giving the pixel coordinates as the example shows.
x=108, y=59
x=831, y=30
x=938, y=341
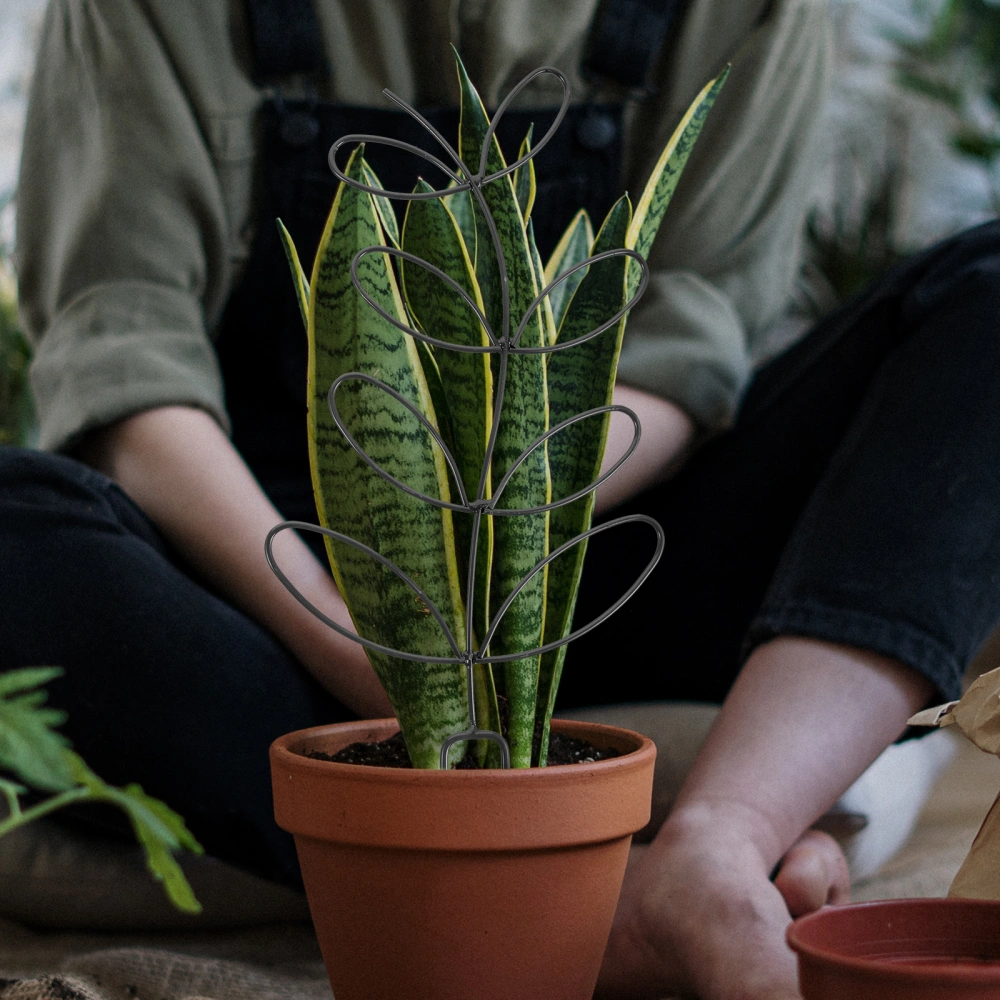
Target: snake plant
x=441, y=276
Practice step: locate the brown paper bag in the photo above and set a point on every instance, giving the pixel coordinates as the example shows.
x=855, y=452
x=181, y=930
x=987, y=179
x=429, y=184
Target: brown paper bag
x=979, y=876
x=977, y=714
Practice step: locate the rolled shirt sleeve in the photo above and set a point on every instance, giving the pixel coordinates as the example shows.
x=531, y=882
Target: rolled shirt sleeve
x=725, y=261
x=135, y=200
x=122, y=230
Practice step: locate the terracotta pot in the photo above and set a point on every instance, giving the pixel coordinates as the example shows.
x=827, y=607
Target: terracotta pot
x=461, y=885
x=917, y=949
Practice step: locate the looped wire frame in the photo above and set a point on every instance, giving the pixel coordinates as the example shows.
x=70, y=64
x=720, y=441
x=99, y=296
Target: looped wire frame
x=494, y=347
x=336, y=626
x=562, y=501
x=472, y=656
x=472, y=506
x=475, y=734
x=479, y=177
x=503, y=345
x=584, y=337
x=584, y=629
x=463, y=507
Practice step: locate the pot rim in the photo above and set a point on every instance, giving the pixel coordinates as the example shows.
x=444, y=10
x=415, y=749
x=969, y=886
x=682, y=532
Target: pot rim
x=285, y=747
x=494, y=809
x=895, y=971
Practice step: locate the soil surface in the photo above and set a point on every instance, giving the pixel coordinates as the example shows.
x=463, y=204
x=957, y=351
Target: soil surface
x=392, y=753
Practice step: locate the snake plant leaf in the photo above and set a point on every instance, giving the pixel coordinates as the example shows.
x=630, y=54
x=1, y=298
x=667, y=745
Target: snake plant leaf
x=525, y=186
x=347, y=335
x=549, y=329
x=520, y=541
x=439, y=400
x=580, y=378
x=573, y=246
x=431, y=232
x=298, y=275
x=460, y=206
x=663, y=180
x=384, y=207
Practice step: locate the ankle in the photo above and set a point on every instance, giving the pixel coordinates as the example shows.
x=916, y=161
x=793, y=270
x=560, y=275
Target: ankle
x=723, y=826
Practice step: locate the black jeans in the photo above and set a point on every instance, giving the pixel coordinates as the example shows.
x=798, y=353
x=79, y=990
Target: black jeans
x=856, y=500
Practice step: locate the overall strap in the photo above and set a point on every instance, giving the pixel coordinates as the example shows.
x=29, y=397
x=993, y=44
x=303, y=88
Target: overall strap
x=285, y=39
x=626, y=39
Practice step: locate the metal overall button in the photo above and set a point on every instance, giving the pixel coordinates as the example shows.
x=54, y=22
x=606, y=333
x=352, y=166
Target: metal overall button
x=596, y=131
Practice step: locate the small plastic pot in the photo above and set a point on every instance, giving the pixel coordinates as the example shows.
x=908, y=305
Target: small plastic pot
x=900, y=949
x=461, y=885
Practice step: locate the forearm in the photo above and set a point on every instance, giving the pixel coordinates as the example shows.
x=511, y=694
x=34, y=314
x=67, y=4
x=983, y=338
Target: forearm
x=802, y=722
x=667, y=432
x=182, y=470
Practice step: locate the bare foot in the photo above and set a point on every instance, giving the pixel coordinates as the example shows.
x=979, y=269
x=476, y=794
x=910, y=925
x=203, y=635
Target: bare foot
x=813, y=873
x=699, y=914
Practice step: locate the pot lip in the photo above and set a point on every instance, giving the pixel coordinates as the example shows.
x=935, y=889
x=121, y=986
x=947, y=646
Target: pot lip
x=281, y=751
x=896, y=971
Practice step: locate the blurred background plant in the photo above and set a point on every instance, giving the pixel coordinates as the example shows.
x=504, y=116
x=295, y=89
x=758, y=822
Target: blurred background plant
x=16, y=412
x=957, y=66
x=914, y=122
x=19, y=23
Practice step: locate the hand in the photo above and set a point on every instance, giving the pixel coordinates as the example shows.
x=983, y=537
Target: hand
x=182, y=470
x=698, y=914
x=698, y=911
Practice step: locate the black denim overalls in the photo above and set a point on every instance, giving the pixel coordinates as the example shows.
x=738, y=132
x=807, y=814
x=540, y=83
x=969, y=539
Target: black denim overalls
x=262, y=346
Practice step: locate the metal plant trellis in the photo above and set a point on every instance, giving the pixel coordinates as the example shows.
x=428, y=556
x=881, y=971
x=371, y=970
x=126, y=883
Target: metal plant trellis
x=504, y=345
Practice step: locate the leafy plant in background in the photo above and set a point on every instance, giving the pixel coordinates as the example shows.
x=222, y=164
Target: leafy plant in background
x=440, y=274
x=856, y=241
x=16, y=412
x=951, y=59
x=957, y=65
x=32, y=752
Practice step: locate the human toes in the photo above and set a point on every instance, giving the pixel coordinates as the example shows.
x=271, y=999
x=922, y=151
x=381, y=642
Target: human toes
x=812, y=874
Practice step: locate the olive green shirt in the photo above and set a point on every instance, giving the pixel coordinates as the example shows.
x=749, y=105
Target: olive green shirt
x=135, y=208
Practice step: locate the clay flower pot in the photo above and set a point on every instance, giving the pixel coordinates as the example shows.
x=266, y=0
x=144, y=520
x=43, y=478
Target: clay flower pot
x=461, y=885
x=900, y=949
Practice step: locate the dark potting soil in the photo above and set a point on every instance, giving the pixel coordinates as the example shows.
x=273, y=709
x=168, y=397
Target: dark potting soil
x=392, y=753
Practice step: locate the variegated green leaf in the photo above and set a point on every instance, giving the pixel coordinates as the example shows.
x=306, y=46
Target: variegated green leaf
x=549, y=329
x=431, y=232
x=580, y=378
x=298, y=275
x=347, y=335
x=573, y=247
x=663, y=181
x=460, y=206
x=384, y=207
x=520, y=542
x=525, y=187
